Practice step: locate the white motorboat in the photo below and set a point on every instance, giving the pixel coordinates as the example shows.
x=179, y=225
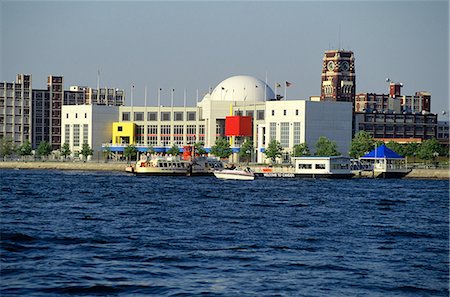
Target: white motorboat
x=235, y=174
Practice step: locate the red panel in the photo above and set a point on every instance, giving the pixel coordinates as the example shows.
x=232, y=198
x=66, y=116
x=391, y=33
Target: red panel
x=238, y=126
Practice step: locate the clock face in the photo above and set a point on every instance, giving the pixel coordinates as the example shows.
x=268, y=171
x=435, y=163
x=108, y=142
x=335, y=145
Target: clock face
x=345, y=66
x=330, y=66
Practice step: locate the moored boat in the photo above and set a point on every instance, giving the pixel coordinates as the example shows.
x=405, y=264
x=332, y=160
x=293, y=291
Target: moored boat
x=174, y=166
x=235, y=174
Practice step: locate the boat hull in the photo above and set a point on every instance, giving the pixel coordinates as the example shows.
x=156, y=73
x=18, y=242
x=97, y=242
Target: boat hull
x=234, y=176
x=304, y=175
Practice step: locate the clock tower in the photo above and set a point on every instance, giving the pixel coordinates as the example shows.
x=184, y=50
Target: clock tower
x=338, y=76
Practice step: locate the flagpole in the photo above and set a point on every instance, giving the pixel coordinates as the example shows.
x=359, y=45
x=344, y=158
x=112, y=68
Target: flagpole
x=132, y=88
x=145, y=98
x=285, y=90
x=98, y=79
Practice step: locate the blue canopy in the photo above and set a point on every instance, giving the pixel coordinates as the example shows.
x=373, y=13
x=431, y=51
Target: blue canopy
x=382, y=152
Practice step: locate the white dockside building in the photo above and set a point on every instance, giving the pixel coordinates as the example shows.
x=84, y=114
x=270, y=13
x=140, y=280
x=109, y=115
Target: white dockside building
x=290, y=122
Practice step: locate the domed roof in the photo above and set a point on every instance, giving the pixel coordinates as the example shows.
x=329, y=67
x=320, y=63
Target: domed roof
x=242, y=88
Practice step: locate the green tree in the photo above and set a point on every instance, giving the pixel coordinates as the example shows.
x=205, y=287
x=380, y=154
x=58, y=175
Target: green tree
x=326, y=147
x=396, y=147
x=44, y=149
x=129, y=151
x=362, y=144
x=86, y=151
x=174, y=150
x=246, y=150
x=25, y=149
x=221, y=148
x=273, y=150
x=429, y=149
x=65, y=150
x=410, y=149
x=7, y=147
x=199, y=148
x=300, y=150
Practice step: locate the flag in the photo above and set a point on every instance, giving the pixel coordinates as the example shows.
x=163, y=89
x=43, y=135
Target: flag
x=278, y=85
x=288, y=84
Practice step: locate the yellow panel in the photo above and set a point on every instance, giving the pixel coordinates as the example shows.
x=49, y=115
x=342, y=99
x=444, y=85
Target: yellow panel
x=123, y=130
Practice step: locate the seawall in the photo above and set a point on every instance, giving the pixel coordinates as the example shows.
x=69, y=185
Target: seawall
x=93, y=166
x=120, y=166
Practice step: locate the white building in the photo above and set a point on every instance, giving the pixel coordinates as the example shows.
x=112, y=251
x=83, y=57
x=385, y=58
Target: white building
x=290, y=122
x=91, y=124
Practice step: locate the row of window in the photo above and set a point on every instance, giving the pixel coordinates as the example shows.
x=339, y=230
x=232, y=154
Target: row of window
x=76, y=115
x=76, y=134
x=285, y=112
x=285, y=133
x=309, y=166
x=164, y=116
x=167, y=129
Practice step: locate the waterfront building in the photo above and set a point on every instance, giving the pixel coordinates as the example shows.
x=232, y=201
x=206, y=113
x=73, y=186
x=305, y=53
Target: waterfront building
x=397, y=126
x=15, y=109
x=338, y=76
x=91, y=124
x=79, y=95
x=46, y=112
x=394, y=102
x=233, y=100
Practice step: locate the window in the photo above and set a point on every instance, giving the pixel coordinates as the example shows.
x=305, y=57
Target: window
x=201, y=133
x=260, y=115
x=165, y=116
x=178, y=129
x=178, y=116
x=191, y=115
x=152, y=116
x=140, y=133
x=249, y=113
x=273, y=112
x=284, y=135
x=76, y=135
x=284, y=112
x=273, y=132
x=296, y=112
x=320, y=166
x=138, y=116
x=191, y=131
x=238, y=113
x=297, y=133
x=152, y=135
x=125, y=116
x=85, y=115
x=120, y=128
x=67, y=115
x=85, y=133
x=67, y=134
x=76, y=115
x=165, y=130
x=304, y=166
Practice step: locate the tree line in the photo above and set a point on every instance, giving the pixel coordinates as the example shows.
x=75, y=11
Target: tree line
x=44, y=149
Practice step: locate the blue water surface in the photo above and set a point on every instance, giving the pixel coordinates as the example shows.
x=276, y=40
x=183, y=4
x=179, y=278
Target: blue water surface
x=72, y=233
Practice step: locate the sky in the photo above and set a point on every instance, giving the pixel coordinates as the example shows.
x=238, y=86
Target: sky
x=195, y=45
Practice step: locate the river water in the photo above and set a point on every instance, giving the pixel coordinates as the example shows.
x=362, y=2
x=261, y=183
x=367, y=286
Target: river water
x=72, y=233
